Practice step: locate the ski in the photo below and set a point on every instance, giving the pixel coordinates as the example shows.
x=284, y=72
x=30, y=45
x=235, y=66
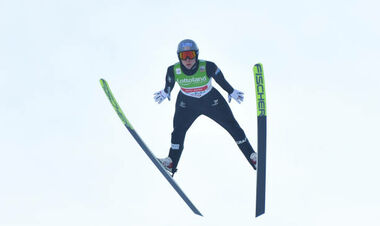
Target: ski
x=261, y=138
x=151, y=156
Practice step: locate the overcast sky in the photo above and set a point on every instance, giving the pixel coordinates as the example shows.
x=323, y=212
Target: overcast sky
x=66, y=159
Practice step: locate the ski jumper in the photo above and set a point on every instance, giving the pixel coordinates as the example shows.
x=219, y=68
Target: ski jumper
x=198, y=97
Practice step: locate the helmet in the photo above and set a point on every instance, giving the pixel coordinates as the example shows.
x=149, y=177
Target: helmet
x=186, y=45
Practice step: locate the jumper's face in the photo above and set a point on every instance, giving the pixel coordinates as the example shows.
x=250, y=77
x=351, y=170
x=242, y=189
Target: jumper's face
x=188, y=63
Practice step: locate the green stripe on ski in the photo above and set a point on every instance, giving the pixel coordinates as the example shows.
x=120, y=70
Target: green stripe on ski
x=260, y=90
x=114, y=103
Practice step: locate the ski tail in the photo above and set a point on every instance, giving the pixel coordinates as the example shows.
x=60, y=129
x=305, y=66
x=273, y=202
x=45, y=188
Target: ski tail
x=261, y=138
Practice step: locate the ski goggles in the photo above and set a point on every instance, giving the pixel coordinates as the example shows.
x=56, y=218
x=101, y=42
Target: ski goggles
x=187, y=54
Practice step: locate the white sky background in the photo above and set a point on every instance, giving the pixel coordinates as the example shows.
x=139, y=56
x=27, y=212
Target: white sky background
x=66, y=159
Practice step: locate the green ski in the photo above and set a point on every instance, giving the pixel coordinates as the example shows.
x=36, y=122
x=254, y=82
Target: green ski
x=261, y=138
x=151, y=156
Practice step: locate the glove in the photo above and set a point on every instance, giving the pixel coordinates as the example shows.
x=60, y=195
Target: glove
x=161, y=96
x=236, y=95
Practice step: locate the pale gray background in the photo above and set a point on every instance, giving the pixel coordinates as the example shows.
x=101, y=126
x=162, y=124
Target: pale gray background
x=66, y=159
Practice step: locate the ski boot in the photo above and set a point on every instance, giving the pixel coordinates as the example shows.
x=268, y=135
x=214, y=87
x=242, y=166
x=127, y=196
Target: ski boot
x=167, y=163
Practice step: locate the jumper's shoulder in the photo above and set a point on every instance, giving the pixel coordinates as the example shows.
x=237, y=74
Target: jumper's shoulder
x=170, y=67
x=210, y=64
x=211, y=67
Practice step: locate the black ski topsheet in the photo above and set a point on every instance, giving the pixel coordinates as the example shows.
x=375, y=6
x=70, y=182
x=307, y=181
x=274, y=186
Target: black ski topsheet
x=261, y=138
x=151, y=156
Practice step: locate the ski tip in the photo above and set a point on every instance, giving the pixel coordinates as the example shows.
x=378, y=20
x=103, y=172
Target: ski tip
x=258, y=65
x=103, y=82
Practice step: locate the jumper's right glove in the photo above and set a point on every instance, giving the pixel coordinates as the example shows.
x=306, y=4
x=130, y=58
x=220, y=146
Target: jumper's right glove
x=161, y=96
x=236, y=95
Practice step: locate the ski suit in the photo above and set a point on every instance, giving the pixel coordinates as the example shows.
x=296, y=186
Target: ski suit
x=198, y=97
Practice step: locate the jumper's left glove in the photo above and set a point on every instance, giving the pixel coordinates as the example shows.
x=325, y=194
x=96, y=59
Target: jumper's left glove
x=161, y=96
x=236, y=95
